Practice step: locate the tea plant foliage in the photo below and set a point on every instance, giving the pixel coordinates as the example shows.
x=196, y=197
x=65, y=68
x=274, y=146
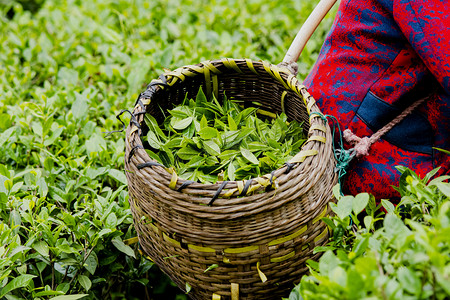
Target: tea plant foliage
x=66, y=69
x=207, y=141
x=387, y=251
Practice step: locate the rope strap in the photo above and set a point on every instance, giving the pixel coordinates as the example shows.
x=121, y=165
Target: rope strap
x=362, y=145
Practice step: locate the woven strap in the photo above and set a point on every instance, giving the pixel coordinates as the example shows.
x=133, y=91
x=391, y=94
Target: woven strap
x=362, y=145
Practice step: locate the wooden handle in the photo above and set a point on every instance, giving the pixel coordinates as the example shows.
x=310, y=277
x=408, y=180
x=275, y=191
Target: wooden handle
x=306, y=31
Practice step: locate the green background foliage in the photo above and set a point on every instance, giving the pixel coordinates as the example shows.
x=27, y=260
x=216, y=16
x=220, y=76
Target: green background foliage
x=67, y=67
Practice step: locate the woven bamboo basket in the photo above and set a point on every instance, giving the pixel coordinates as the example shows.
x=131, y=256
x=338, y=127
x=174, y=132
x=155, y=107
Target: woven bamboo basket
x=256, y=233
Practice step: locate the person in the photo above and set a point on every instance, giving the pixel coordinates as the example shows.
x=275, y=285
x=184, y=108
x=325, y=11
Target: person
x=380, y=57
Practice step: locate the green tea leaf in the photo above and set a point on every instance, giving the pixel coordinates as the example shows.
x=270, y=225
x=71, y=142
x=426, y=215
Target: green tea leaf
x=276, y=132
x=118, y=175
x=361, y=246
x=200, y=98
x=211, y=147
x=48, y=293
x=19, y=282
x=153, y=140
x=70, y=297
x=187, y=153
x=232, y=124
x=80, y=106
x=188, y=288
x=42, y=248
x=360, y=202
x=203, y=122
x=190, y=131
x=213, y=266
x=5, y=135
x=85, y=282
x=368, y=220
x=181, y=112
x=208, y=133
x=119, y=244
x=180, y=124
x=231, y=171
x=409, y=280
x=153, y=126
x=444, y=187
x=390, y=208
x=249, y=156
x=343, y=207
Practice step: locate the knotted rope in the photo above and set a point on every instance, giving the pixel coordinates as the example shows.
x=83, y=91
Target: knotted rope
x=362, y=145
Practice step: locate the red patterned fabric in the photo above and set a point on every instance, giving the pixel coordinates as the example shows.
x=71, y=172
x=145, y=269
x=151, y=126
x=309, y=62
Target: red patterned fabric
x=379, y=58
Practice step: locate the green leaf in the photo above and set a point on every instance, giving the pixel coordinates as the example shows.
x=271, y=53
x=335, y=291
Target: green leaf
x=18, y=282
x=213, y=266
x=275, y=132
x=42, y=248
x=337, y=191
x=211, y=147
x=247, y=154
x=55, y=134
x=390, y=208
x=189, y=131
x=5, y=135
x=200, y=98
x=371, y=206
x=188, y=288
x=444, y=187
x=80, y=106
x=355, y=284
x=344, y=207
x=85, y=282
x=368, y=220
x=360, y=202
x=180, y=124
x=361, y=246
x=232, y=124
x=4, y=171
x=328, y=262
x=138, y=68
x=430, y=174
x=70, y=297
x=43, y=187
x=231, y=171
x=393, y=226
x=63, y=287
x=111, y=220
x=153, y=125
x=409, y=280
x=181, y=112
x=203, y=122
x=118, y=175
x=119, y=244
x=48, y=293
x=153, y=140
x=187, y=153
x=208, y=133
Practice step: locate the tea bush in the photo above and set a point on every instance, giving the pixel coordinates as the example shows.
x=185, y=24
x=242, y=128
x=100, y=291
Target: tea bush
x=67, y=67
x=386, y=252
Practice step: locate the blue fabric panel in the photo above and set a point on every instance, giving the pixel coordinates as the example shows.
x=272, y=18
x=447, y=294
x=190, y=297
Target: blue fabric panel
x=414, y=133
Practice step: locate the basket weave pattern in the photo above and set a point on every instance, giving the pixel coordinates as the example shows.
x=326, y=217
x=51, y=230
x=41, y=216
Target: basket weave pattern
x=259, y=237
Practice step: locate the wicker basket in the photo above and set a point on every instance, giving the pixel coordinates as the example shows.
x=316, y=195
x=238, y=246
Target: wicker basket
x=258, y=238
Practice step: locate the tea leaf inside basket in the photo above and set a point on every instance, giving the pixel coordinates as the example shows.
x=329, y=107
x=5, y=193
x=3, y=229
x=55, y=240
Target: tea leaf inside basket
x=207, y=141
